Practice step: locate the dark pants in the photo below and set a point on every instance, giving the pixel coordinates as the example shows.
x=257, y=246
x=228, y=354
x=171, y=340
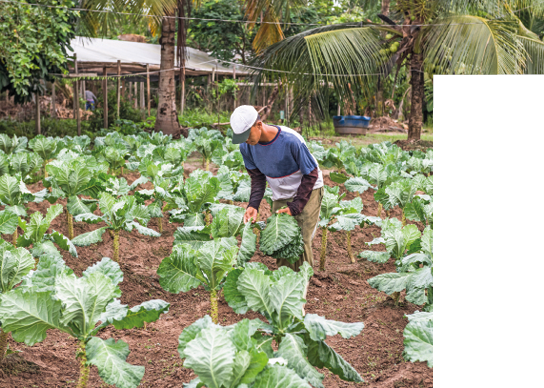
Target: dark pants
x=89, y=105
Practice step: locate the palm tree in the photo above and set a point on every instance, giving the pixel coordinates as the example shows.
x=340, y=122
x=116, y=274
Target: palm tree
x=430, y=37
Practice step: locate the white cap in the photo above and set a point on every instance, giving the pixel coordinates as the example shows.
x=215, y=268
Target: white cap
x=241, y=121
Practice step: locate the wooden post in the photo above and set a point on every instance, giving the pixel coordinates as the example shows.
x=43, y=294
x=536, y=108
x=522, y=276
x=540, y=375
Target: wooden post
x=142, y=96
x=129, y=95
x=83, y=89
x=105, y=91
x=118, y=88
x=149, y=92
x=135, y=95
x=338, y=113
x=234, y=78
x=53, y=98
x=182, y=102
x=38, y=122
x=76, y=99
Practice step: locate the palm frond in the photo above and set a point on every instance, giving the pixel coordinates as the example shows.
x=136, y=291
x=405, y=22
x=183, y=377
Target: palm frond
x=344, y=56
x=477, y=45
x=535, y=55
x=268, y=34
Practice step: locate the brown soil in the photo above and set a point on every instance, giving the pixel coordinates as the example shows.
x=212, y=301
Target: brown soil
x=341, y=292
x=410, y=145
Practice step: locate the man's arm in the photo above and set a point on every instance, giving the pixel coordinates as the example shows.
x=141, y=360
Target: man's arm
x=258, y=187
x=303, y=193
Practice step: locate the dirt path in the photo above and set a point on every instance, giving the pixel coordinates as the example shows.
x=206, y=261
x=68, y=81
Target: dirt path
x=340, y=293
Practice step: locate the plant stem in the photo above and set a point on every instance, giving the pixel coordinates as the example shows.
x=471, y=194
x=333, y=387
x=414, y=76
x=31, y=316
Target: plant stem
x=213, y=303
x=116, y=246
x=388, y=212
x=323, y=250
x=83, y=369
x=403, y=217
x=208, y=218
x=70, y=221
x=207, y=165
x=44, y=170
x=122, y=170
x=380, y=209
x=160, y=224
x=256, y=230
x=3, y=344
x=15, y=236
x=348, y=242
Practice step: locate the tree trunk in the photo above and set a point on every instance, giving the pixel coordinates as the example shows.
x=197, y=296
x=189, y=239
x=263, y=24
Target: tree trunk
x=213, y=306
x=3, y=344
x=167, y=117
x=83, y=369
x=418, y=92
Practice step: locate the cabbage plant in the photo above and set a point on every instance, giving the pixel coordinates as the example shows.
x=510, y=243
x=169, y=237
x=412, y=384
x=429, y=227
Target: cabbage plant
x=187, y=268
x=330, y=205
x=347, y=218
x=12, y=145
x=298, y=338
x=45, y=147
x=160, y=193
x=282, y=238
x=118, y=213
x=35, y=234
x=71, y=179
x=418, y=337
x=24, y=165
x=197, y=193
x=14, y=195
x=15, y=263
x=399, y=193
x=53, y=297
x=414, y=271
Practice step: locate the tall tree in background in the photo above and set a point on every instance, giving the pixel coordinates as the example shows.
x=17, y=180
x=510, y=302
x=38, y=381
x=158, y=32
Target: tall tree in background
x=433, y=37
x=33, y=44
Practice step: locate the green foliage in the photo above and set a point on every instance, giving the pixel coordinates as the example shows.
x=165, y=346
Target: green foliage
x=34, y=44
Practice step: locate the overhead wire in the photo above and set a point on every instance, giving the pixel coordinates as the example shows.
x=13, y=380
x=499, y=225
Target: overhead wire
x=234, y=20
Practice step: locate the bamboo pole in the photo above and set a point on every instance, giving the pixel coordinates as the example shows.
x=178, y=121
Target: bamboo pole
x=76, y=99
x=148, y=92
x=105, y=91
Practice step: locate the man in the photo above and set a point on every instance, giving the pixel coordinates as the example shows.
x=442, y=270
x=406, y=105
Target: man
x=91, y=98
x=279, y=155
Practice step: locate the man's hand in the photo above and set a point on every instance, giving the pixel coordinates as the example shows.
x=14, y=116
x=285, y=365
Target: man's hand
x=286, y=210
x=251, y=213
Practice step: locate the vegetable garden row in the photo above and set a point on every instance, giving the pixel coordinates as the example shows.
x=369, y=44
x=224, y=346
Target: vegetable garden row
x=84, y=182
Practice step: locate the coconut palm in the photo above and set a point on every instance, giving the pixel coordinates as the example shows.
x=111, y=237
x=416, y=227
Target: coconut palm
x=428, y=36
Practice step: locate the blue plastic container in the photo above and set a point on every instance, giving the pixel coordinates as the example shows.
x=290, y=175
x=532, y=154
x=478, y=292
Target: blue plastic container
x=351, y=125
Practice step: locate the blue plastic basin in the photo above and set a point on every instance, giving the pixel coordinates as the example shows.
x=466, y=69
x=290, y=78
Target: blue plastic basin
x=351, y=124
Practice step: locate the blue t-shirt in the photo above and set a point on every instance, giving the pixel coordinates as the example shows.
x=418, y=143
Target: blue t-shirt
x=284, y=160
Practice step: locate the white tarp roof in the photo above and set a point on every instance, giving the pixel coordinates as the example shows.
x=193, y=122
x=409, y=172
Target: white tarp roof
x=99, y=50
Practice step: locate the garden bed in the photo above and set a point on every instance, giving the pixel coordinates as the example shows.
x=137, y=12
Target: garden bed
x=341, y=293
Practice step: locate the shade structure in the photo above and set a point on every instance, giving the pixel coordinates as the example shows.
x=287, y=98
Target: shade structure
x=93, y=54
